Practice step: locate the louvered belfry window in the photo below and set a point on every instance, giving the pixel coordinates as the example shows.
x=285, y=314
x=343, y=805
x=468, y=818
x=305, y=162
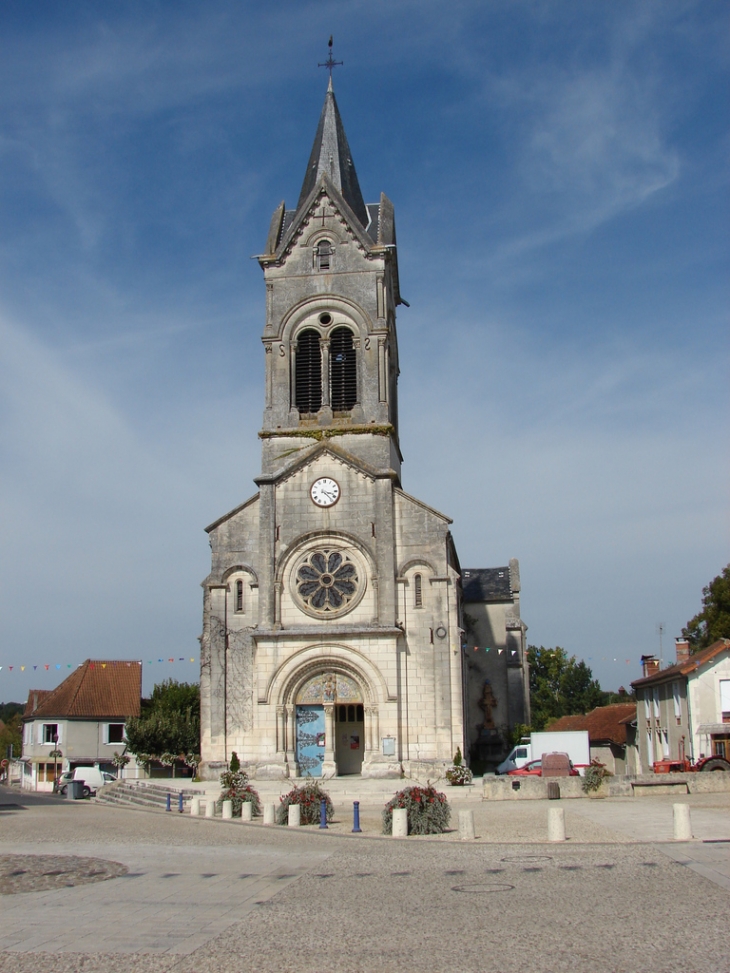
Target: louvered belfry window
x=324, y=254
x=343, y=370
x=309, y=372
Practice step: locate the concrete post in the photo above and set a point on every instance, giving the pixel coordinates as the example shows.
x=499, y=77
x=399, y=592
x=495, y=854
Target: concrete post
x=556, y=824
x=682, y=823
x=227, y=810
x=210, y=809
x=295, y=816
x=269, y=813
x=466, y=825
x=247, y=811
x=400, y=822
x=195, y=807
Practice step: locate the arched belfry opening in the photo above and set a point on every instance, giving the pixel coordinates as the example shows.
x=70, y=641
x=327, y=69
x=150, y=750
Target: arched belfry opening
x=343, y=370
x=308, y=393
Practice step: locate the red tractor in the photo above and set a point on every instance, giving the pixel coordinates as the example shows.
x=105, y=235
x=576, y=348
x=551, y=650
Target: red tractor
x=685, y=765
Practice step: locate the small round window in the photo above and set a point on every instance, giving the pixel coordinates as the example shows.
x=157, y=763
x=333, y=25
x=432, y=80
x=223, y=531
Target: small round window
x=325, y=318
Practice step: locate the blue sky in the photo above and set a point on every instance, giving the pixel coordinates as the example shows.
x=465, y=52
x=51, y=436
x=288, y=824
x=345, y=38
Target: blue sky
x=560, y=182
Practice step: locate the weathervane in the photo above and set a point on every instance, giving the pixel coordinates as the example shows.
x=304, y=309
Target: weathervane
x=330, y=62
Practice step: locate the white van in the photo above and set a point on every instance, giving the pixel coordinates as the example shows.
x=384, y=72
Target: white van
x=93, y=778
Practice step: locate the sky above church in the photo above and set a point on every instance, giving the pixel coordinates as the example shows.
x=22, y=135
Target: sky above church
x=559, y=175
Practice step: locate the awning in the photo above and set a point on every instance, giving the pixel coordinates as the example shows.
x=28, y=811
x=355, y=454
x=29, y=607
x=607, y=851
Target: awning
x=723, y=728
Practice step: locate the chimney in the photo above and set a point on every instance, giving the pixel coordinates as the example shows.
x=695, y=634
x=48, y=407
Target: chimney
x=683, y=652
x=649, y=665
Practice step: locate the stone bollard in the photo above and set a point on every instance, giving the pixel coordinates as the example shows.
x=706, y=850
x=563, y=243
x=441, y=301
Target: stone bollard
x=556, y=824
x=400, y=822
x=247, y=811
x=210, y=809
x=227, y=810
x=682, y=823
x=466, y=825
x=195, y=807
x=269, y=813
x=294, y=818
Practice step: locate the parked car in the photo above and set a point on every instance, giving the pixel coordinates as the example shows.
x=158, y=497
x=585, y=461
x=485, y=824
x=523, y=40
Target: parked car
x=60, y=784
x=534, y=769
x=92, y=777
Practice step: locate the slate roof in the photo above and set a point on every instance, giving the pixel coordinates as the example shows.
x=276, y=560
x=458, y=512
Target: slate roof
x=684, y=668
x=96, y=690
x=331, y=155
x=486, y=584
x=604, y=723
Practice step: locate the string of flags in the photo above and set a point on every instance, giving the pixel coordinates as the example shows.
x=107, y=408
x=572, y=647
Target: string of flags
x=603, y=658
x=92, y=665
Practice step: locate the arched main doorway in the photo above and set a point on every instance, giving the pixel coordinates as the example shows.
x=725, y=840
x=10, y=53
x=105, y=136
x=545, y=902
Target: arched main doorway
x=330, y=724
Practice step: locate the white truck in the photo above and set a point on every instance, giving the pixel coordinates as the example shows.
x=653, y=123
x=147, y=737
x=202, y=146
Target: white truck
x=573, y=742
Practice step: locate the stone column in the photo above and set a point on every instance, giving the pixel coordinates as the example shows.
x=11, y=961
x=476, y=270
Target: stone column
x=290, y=740
x=329, y=767
x=281, y=730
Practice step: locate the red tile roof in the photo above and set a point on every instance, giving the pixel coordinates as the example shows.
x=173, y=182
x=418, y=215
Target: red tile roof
x=35, y=697
x=96, y=690
x=685, y=668
x=604, y=723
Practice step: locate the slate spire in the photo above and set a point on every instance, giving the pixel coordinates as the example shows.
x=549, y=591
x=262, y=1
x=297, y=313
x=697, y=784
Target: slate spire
x=331, y=155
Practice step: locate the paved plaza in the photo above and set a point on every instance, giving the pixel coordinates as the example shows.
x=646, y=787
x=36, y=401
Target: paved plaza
x=192, y=895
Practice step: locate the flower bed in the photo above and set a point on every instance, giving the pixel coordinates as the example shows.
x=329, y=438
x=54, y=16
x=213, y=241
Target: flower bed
x=428, y=810
x=309, y=798
x=237, y=789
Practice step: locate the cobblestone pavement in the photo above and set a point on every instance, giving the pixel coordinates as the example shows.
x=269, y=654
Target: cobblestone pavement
x=208, y=896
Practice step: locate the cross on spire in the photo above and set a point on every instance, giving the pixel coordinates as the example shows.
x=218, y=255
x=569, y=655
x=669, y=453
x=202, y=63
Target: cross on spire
x=330, y=62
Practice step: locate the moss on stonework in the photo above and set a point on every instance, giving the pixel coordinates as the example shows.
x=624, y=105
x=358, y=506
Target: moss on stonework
x=319, y=434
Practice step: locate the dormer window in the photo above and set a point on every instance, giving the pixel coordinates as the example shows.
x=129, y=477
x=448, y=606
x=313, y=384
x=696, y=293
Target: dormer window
x=323, y=255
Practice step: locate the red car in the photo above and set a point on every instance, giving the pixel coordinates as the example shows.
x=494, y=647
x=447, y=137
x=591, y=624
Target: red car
x=534, y=769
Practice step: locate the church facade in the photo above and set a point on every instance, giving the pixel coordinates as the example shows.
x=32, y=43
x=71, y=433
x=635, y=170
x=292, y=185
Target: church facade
x=333, y=630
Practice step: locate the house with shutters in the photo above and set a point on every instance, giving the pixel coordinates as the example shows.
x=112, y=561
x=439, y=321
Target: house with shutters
x=81, y=722
x=684, y=710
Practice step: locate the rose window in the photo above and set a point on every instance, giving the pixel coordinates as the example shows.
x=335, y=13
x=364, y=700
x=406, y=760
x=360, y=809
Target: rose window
x=327, y=581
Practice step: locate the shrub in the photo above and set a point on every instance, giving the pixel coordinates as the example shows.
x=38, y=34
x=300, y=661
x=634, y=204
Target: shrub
x=594, y=776
x=428, y=810
x=236, y=788
x=458, y=775
x=309, y=797
x=458, y=758
x=235, y=763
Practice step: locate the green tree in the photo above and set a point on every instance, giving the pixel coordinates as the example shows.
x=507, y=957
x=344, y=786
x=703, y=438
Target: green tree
x=172, y=696
x=170, y=721
x=11, y=733
x=559, y=686
x=713, y=622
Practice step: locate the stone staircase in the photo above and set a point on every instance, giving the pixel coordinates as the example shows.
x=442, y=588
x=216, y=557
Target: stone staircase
x=147, y=794
x=152, y=794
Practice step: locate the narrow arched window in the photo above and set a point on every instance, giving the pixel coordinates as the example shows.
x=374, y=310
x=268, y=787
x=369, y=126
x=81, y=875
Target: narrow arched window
x=239, y=596
x=308, y=372
x=343, y=370
x=324, y=255
x=417, y=592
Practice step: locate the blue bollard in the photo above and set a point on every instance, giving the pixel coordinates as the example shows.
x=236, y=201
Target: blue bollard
x=323, y=813
x=168, y=801
x=356, y=829
x=180, y=802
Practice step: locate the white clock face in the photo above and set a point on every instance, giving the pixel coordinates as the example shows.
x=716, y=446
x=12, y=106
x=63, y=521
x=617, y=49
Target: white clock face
x=325, y=492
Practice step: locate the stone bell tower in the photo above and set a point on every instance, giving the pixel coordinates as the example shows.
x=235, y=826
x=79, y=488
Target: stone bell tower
x=331, y=641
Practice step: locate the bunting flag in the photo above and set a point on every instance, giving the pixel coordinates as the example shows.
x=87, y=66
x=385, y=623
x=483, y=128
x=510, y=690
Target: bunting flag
x=70, y=665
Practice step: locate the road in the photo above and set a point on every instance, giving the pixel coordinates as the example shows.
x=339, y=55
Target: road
x=200, y=896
